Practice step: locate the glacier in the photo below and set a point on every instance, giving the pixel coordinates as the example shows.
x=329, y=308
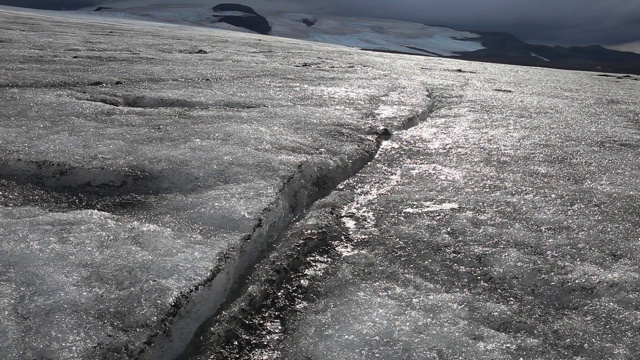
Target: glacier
x=145, y=167
x=364, y=33
x=375, y=34
x=504, y=227
x=169, y=191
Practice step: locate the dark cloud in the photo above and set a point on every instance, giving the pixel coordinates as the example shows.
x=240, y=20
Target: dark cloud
x=50, y=4
x=566, y=22
x=578, y=22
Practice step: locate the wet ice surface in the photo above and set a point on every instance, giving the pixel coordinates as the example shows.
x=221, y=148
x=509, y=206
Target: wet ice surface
x=505, y=226
x=144, y=167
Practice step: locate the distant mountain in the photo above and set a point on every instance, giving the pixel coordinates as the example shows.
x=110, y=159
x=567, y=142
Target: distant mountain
x=508, y=49
x=390, y=36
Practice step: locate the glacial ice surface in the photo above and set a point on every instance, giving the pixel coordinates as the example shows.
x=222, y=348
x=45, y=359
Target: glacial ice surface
x=144, y=167
x=505, y=226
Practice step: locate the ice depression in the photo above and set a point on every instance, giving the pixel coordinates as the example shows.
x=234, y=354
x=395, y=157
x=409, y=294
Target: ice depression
x=144, y=167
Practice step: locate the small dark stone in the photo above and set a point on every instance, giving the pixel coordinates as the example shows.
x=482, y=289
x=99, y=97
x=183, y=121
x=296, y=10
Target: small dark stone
x=384, y=133
x=305, y=64
x=96, y=83
x=201, y=52
x=118, y=83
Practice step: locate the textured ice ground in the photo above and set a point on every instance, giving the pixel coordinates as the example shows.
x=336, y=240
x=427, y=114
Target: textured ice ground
x=144, y=167
x=506, y=226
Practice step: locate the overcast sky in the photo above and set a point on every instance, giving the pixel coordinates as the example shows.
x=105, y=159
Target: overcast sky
x=564, y=22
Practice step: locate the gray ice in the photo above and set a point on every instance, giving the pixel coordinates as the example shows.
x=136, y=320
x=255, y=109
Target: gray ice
x=145, y=168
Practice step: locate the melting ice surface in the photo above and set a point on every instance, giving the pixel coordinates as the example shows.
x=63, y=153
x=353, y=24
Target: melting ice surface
x=139, y=176
x=144, y=167
x=505, y=226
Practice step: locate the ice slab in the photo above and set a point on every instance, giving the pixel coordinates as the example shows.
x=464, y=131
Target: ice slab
x=144, y=167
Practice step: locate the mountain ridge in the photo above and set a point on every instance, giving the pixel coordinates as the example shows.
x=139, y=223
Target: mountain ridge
x=394, y=36
x=501, y=47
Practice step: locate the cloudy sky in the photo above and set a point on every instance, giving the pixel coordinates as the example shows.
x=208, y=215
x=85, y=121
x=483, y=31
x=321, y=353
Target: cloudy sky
x=561, y=22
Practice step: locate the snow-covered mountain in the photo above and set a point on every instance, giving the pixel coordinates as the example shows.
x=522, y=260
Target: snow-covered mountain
x=364, y=33
x=386, y=35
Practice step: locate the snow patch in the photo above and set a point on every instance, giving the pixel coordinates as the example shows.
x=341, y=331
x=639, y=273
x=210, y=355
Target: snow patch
x=539, y=57
x=443, y=44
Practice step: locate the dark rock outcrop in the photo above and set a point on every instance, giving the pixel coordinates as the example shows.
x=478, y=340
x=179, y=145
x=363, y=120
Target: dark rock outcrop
x=244, y=17
x=102, y=8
